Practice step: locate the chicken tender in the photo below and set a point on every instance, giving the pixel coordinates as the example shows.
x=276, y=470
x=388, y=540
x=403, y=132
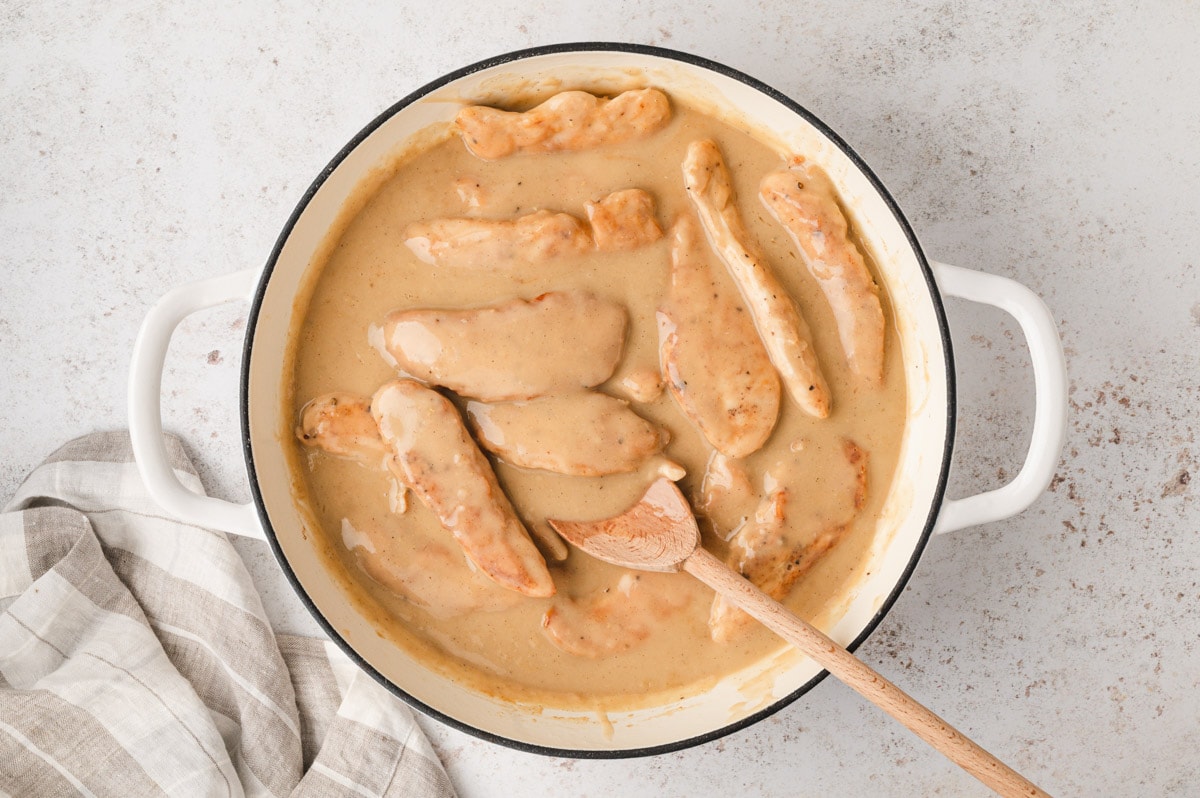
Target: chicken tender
x=581, y=434
x=341, y=424
x=616, y=619
x=712, y=357
x=519, y=349
x=428, y=573
x=776, y=546
x=571, y=121
x=805, y=204
x=498, y=244
x=641, y=384
x=444, y=467
x=623, y=220
x=783, y=330
x=727, y=499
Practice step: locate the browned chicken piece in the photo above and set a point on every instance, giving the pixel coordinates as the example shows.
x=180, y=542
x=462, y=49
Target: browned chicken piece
x=792, y=528
x=783, y=330
x=446, y=470
x=519, y=349
x=623, y=220
x=615, y=619
x=498, y=244
x=713, y=360
x=641, y=384
x=570, y=120
x=805, y=204
x=430, y=574
x=341, y=424
x=582, y=434
x=727, y=499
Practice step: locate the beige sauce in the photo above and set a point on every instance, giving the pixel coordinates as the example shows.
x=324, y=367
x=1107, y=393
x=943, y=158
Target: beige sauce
x=371, y=273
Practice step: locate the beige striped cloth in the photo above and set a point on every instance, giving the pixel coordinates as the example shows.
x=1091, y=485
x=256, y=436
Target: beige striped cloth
x=136, y=659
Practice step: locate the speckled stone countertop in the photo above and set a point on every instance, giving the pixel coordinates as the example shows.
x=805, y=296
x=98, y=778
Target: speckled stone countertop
x=144, y=145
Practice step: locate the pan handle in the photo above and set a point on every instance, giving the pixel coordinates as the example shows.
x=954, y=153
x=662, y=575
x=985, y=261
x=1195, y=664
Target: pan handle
x=1050, y=401
x=145, y=409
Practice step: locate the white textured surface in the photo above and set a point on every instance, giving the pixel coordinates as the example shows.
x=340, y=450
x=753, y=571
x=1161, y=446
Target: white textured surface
x=149, y=145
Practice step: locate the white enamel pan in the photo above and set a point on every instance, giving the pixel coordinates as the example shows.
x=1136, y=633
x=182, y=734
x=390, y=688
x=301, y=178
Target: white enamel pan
x=915, y=508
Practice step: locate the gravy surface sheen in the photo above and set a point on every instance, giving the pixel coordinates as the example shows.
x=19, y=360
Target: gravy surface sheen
x=370, y=272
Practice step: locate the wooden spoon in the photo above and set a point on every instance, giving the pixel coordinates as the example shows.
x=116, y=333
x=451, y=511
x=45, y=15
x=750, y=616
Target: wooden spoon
x=659, y=533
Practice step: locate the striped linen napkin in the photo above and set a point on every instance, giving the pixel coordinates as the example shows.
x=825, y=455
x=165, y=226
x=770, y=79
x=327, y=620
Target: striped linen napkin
x=136, y=658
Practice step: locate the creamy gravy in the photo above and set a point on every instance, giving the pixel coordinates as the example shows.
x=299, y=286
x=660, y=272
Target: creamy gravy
x=371, y=273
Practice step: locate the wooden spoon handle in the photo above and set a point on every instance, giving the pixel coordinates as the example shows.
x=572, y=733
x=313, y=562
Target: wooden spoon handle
x=860, y=676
